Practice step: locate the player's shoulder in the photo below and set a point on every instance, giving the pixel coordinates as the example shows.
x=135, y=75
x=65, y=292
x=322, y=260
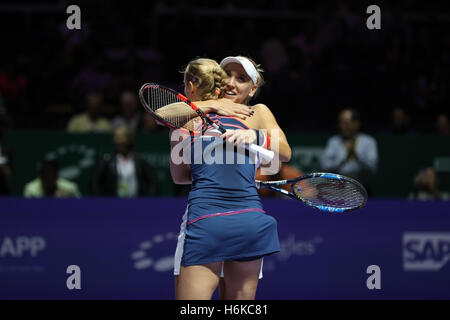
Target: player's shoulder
x=260, y=107
x=262, y=111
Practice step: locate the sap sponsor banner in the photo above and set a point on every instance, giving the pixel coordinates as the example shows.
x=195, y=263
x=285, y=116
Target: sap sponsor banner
x=123, y=249
x=425, y=251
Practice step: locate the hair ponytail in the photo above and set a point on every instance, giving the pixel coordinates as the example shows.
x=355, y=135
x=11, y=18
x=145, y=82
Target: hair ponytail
x=207, y=76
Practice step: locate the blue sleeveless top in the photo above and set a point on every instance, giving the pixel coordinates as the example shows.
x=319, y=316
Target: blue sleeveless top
x=223, y=177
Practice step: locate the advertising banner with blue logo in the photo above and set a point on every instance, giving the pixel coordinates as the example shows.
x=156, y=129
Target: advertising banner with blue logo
x=123, y=249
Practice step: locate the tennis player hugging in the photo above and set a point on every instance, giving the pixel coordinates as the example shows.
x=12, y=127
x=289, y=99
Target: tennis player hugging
x=225, y=231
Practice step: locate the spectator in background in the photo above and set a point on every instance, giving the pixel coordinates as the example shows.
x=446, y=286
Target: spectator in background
x=5, y=154
x=442, y=125
x=130, y=115
x=124, y=174
x=49, y=184
x=351, y=153
x=91, y=120
x=426, y=186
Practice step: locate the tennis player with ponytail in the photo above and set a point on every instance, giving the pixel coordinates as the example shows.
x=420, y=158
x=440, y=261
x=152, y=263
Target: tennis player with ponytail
x=225, y=224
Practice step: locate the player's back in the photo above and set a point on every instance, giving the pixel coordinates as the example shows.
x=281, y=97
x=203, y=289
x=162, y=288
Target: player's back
x=223, y=177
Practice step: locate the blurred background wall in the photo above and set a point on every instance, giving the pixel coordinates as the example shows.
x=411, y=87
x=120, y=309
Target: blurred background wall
x=319, y=57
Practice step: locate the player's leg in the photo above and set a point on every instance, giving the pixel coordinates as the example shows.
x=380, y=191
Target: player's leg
x=197, y=282
x=176, y=284
x=241, y=279
x=222, y=287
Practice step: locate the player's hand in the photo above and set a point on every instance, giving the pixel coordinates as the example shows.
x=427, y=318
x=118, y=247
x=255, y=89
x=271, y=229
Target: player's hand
x=240, y=136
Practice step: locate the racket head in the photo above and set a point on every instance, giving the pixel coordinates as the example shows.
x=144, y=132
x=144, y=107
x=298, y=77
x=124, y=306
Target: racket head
x=171, y=108
x=330, y=192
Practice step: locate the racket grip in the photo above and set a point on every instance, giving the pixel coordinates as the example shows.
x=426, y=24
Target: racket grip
x=266, y=155
x=220, y=128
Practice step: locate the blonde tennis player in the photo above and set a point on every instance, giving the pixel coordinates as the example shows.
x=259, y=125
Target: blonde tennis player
x=225, y=225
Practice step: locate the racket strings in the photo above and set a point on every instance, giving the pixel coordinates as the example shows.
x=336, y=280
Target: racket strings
x=169, y=107
x=329, y=192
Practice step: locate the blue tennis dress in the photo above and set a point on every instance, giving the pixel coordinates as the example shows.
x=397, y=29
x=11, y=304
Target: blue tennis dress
x=224, y=219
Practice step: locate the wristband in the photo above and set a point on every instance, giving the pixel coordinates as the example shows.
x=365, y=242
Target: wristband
x=257, y=136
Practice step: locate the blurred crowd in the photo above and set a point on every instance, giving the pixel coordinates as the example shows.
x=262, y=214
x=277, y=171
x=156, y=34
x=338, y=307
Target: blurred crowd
x=319, y=58
x=317, y=61
x=125, y=173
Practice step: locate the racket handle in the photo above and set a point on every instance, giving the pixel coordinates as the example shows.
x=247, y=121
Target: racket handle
x=220, y=128
x=266, y=155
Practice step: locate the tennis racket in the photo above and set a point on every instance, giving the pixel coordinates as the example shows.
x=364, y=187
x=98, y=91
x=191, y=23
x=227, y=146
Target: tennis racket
x=175, y=111
x=324, y=191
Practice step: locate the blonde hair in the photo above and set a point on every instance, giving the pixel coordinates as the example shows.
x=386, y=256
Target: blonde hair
x=207, y=76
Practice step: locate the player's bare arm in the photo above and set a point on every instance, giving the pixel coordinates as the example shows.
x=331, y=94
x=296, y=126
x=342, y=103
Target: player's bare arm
x=266, y=120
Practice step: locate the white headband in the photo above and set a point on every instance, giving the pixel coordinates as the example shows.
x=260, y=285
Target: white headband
x=245, y=63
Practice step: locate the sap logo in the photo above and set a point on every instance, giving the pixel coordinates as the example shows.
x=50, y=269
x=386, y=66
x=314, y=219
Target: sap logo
x=425, y=251
x=147, y=257
x=19, y=246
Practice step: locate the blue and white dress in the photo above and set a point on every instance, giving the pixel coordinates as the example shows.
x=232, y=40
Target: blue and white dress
x=224, y=219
